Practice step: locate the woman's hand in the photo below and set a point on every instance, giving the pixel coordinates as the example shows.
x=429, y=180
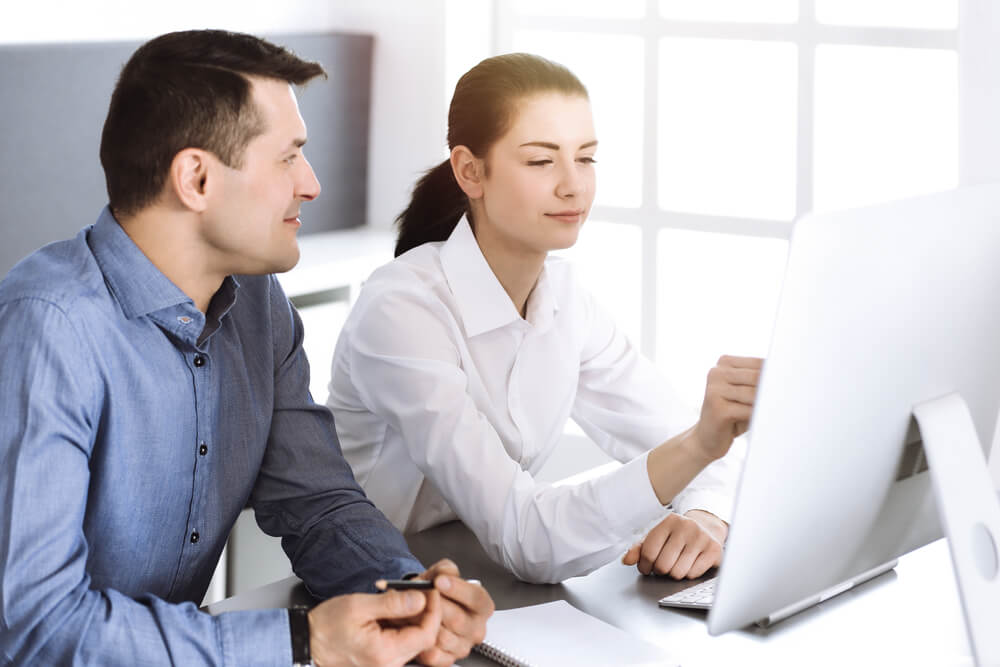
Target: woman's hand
x=681, y=546
x=730, y=393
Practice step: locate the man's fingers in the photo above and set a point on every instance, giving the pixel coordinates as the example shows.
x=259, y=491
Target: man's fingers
x=443, y=566
x=411, y=640
x=393, y=604
x=472, y=596
x=453, y=644
x=435, y=657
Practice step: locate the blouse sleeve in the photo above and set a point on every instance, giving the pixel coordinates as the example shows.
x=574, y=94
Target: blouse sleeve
x=627, y=407
x=405, y=364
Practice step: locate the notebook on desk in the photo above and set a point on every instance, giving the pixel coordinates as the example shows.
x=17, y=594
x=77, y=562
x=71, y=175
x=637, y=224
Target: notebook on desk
x=557, y=633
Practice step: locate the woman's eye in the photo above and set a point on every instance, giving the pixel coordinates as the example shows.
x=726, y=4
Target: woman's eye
x=588, y=160
x=538, y=163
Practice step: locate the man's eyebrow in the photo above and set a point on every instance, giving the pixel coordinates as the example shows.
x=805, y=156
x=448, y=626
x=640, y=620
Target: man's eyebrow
x=555, y=147
x=298, y=142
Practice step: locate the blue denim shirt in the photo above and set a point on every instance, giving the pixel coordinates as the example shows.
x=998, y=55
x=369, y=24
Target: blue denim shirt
x=133, y=430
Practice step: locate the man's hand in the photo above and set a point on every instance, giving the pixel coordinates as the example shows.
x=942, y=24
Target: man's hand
x=464, y=610
x=681, y=546
x=383, y=629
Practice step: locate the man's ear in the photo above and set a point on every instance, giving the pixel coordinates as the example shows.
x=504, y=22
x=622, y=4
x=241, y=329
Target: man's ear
x=468, y=170
x=188, y=178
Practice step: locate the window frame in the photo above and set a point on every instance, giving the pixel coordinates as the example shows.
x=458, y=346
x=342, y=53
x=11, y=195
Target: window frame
x=806, y=33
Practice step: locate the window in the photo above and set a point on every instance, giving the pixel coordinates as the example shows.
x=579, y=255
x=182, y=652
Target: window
x=720, y=122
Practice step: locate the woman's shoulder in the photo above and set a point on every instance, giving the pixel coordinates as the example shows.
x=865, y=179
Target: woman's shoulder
x=417, y=268
x=415, y=278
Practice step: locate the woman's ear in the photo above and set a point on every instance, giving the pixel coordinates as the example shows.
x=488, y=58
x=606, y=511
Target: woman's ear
x=188, y=178
x=468, y=170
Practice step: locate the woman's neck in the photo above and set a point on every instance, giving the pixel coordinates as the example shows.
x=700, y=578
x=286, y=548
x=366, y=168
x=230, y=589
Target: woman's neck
x=516, y=267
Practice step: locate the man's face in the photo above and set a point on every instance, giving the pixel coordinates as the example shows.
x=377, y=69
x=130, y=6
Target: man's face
x=252, y=220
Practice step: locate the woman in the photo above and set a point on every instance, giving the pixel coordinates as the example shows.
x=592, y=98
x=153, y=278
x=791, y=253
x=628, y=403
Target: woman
x=463, y=358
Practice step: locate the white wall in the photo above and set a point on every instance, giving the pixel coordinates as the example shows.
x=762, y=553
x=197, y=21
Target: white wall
x=408, y=107
x=979, y=81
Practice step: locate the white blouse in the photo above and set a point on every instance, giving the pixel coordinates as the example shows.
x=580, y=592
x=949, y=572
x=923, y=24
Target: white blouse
x=447, y=402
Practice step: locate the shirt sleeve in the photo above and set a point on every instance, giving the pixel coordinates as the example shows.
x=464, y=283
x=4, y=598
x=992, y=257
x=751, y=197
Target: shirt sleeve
x=49, y=615
x=627, y=407
x=402, y=355
x=337, y=540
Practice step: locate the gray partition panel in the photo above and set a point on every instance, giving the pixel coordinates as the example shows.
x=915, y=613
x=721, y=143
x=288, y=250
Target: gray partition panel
x=55, y=98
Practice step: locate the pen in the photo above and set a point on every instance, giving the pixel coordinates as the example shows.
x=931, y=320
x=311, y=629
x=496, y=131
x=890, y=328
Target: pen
x=409, y=584
x=403, y=584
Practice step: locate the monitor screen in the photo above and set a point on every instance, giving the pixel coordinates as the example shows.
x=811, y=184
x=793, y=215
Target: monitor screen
x=882, y=308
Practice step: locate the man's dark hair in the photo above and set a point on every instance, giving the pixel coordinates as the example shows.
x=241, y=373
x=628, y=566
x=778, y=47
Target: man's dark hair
x=186, y=90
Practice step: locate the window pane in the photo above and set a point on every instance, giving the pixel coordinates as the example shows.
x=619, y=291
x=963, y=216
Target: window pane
x=608, y=259
x=628, y=9
x=611, y=67
x=717, y=294
x=727, y=131
x=758, y=11
x=941, y=14
x=885, y=124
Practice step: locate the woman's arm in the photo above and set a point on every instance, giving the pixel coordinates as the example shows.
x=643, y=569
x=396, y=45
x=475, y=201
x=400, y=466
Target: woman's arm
x=403, y=358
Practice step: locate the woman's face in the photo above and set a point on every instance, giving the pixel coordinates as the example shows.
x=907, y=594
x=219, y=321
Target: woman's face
x=539, y=177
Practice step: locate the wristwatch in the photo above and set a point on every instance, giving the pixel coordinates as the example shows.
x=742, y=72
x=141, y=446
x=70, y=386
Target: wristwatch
x=298, y=625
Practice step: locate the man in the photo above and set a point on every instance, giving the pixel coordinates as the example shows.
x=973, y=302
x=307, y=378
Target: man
x=154, y=383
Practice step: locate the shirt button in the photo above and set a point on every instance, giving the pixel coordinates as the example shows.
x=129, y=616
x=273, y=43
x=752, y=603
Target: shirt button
x=203, y=449
x=195, y=537
x=199, y=361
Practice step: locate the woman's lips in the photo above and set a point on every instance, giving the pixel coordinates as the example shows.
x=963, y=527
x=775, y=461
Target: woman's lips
x=571, y=217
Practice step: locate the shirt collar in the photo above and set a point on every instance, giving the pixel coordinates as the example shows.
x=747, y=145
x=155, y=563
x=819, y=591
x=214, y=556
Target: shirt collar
x=482, y=301
x=141, y=289
x=137, y=284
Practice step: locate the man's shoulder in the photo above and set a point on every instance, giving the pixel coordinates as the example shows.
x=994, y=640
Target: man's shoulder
x=63, y=274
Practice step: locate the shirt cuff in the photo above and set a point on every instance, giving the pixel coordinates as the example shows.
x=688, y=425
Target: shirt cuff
x=715, y=502
x=627, y=499
x=258, y=637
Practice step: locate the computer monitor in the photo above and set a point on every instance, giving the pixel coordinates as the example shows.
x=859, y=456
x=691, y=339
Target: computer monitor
x=883, y=309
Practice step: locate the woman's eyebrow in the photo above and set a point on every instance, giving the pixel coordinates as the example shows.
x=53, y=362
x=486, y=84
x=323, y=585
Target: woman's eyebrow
x=555, y=147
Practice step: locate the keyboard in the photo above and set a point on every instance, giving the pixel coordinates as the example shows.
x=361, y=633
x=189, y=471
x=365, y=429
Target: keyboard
x=699, y=596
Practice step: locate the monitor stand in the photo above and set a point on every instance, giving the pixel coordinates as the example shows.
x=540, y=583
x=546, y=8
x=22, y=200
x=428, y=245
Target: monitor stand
x=970, y=515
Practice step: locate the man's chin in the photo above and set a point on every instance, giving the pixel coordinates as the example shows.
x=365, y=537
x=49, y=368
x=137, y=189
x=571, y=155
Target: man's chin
x=270, y=265
x=287, y=264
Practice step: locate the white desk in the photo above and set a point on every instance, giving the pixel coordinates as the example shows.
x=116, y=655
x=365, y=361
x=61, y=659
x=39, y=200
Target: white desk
x=343, y=258
x=909, y=616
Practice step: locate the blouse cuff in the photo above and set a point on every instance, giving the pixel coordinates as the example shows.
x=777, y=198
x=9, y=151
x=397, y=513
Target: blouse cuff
x=627, y=498
x=719, y=504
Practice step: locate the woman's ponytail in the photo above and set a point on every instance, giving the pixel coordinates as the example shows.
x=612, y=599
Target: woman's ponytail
x=435, y=208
